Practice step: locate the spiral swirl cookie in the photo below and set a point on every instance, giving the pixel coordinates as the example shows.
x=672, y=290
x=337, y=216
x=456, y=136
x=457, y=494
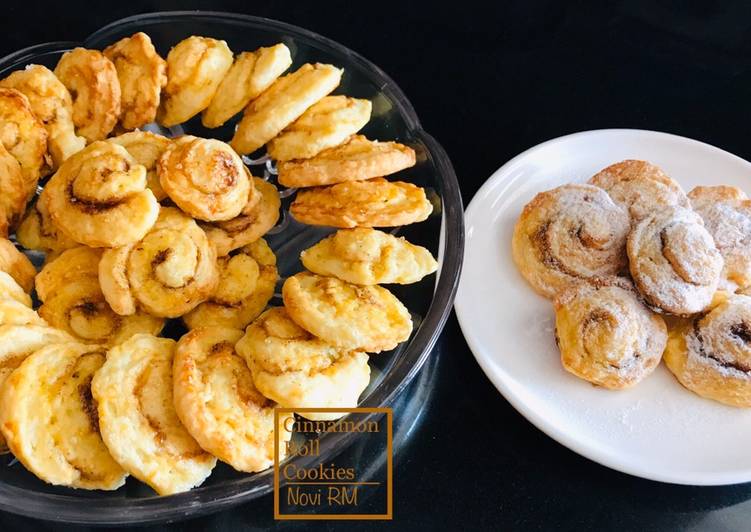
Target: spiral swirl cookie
x=674, y=261
x=250, y=75
x=371, y=203
x=146, y=148
x=50, y=421
x=298, y=370
x=367, y=318
x=52, y=104
x=23, y=136
x=606, y=335
x=15, y=192
x=258, y=216
x=726, y=212
x=711, y=355
x=167, y=273
x=283, y=103
x=38, y=231
x=570, y=233
x=368, y=256
x=195, y=67
x=247, y=280
x=138, y=421
x=355, y=160
x=218, y=403
x=92, y=80
x=98, y=197
x=17, y=265
x=327, y=124
x=640, y=187
x=142, y=73
x=205, y=178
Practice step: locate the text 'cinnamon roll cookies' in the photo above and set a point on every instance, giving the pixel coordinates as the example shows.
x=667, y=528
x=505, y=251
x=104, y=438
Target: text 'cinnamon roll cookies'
x=355, y=160
x=142, y=74
x=298, y=370
x=138, y=421
x=368, y=318
x=247, y=280
x=167, y=273
x=640, y=187
x=50, y=421
x=205, y=178
x=98, y=197
x=92, y=80
x=371, y=203
x=250, y=75
x=52, y=104
x=711, y=354
x=220, y=406
x=674, y=262
x=283, y=103
x=726, y=212
x=606, y=335
x=195, y=68
x=257, y=218
x=570, y=233
x=367, y=256
x=326, y=124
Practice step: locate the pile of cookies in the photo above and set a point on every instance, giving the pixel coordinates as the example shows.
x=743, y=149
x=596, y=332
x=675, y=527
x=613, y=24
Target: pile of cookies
x=138, y=229
x=638, y=269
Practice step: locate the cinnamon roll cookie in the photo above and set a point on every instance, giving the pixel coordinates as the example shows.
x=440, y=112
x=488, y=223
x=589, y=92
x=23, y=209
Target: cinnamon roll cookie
x=367, y=318
x=134, y=395
x=606, y=335
x=167, y=273
x=98, y=197
x=92, y=80
x=247, y=280
x=38, y=231
x=640, y=187
x=142, y=74
x=24, y=137
x=283, y=103
x=195, y=67
x=219, y=405
x=17, y=265
x=567, y=234
x=355, y=160
x=52, y=104
x=297, y=370
x=371, y=203
x=726, y=212
x=259, y=215
x=15, y=191
x=50, y=421
x=146, y=148
x=711, y=354
x=10, y=289
x=674, y=261
x=327, y=124
x=250, y=75
x=205, y=178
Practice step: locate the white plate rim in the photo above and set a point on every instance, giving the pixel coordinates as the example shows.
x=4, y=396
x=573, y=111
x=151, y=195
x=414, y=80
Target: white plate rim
x=532, y=415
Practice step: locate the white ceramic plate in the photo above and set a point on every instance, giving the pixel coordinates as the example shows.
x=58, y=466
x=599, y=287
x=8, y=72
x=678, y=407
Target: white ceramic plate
x=656, y=430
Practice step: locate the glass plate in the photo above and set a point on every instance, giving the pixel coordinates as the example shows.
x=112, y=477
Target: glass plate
x=430, y=303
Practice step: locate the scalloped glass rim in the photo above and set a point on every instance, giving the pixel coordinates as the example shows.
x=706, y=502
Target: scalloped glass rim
x=206, y=499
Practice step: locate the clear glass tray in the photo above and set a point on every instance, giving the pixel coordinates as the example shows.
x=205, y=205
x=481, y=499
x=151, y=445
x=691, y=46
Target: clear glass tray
x=430, y=303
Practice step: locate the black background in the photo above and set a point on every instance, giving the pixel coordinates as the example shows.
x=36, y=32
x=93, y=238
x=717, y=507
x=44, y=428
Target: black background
x=489, y=82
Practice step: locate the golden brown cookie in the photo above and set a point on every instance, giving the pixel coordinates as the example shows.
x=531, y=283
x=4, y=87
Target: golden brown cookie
x=283, y=103
x=98, y=197
x=24, y=137
x=250, y=75
x=355, y=160
x=37, y=231
x=14, y=191
x=15, y=263
x=146, y=148
x=195, y=67
x=10, y=289
x=326, y=124
x=92, y=80
x=205, y=178
x=674, y=262
x=142, y=74
x=371, y=203
x=167, y=273
x=218, y=404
